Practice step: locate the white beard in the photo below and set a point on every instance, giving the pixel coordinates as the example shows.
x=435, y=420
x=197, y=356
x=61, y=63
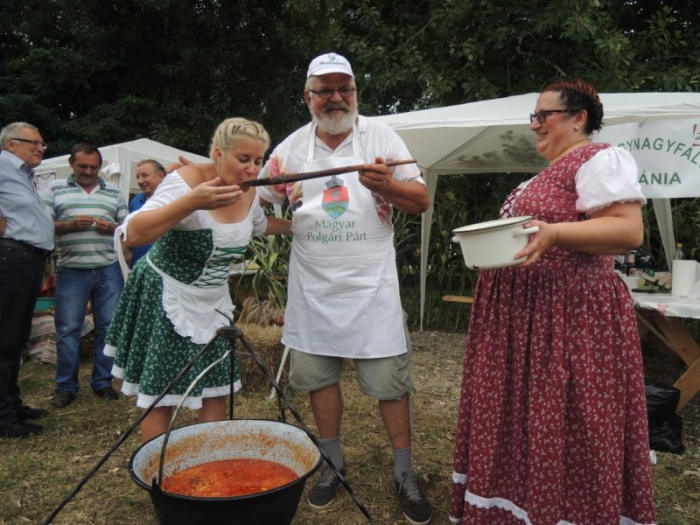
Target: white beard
x=335, y=124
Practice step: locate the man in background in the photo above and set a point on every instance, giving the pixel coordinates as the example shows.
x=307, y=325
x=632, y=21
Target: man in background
x=26, y=240
x=149, y=174
x=86, y=210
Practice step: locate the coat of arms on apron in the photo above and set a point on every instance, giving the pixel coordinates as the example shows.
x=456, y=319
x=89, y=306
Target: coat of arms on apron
x=335, y=197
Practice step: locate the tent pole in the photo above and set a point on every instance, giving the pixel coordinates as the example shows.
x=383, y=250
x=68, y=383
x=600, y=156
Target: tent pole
x=664, y=218
x=426, y=224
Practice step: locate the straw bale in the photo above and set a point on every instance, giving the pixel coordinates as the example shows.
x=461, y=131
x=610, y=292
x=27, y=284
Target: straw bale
x=265, y=341
x=263, y=312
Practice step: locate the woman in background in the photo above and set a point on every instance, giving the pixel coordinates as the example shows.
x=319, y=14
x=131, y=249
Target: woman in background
x=552, y=421
x=177, y=296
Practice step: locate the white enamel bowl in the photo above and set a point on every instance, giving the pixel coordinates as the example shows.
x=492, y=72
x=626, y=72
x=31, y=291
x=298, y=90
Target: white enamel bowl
x=493, y=244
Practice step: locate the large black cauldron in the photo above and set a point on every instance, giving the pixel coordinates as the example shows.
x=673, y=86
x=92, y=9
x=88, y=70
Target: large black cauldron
x=237, y=439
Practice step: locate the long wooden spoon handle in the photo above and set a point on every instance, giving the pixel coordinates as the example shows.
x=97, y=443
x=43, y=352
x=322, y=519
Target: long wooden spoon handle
x=294, y=177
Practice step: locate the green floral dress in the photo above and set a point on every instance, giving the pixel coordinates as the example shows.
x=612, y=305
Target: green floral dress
x=168, y=308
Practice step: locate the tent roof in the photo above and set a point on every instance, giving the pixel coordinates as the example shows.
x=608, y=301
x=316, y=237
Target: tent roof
x=122, y=159
x=494, y=135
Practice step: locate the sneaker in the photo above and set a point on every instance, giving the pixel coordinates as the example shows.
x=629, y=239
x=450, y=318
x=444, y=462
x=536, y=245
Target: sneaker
x=107, y=393
x=63, y=398
x=25, y=412
x=325, y=490
x=416, y=508
x=19, y=429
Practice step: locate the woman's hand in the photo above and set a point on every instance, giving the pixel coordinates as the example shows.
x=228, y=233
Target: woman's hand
x=539, y=243
x=617, y=228
x=212, y=194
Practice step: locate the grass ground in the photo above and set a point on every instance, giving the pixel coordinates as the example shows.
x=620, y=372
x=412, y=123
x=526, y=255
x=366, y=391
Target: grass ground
x=37, y=473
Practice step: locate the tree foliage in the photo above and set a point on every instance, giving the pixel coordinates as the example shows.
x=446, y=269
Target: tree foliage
x=450, y=52
x=110, y=71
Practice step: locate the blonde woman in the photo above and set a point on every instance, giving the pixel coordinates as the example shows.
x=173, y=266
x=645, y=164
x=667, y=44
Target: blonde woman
x=200, y=220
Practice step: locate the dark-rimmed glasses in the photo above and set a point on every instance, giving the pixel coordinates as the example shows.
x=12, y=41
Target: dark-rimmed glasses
x=542, y=114
x=35, y=143
x=326, y=93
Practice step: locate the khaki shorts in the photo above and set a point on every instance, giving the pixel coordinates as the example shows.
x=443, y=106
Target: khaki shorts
x=384, y=378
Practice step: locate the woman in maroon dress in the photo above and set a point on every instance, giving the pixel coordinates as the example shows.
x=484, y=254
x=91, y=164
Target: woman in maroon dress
x=552, y=421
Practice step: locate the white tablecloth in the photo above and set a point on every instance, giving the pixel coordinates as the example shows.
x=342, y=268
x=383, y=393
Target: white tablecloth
x=668, y=304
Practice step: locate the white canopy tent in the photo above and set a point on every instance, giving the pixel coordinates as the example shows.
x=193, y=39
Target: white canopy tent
x=662, y=130
x=119, y=162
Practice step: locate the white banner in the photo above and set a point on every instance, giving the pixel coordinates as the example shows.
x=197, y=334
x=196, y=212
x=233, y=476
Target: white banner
x=667, y=153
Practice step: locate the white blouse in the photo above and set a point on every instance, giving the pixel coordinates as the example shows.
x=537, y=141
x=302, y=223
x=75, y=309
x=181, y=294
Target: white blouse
x=174, y=187
x=190, y=307
x=610, y=176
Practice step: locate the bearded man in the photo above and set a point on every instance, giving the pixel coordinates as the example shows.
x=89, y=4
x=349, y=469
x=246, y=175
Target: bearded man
x=343, y=290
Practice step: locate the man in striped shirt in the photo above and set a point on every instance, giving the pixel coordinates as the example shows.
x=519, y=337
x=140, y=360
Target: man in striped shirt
x=86, y=210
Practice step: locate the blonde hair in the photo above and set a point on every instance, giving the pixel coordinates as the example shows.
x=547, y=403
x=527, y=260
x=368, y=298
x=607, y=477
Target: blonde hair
x=231, y=129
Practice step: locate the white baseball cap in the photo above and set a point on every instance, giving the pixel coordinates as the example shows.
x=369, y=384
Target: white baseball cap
x=329, y=63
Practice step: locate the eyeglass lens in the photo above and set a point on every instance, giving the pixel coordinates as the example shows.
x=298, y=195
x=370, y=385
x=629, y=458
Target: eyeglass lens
x=35, y=143
x=328, y=93
x=542, y=114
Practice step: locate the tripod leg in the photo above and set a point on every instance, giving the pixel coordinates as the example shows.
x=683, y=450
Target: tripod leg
x=280, y=370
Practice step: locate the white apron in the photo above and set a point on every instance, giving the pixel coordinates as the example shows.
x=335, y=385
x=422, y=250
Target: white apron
x=343, y=293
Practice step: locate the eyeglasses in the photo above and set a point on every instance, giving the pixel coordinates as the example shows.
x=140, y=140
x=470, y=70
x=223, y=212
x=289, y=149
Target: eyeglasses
x=325, y=94
x=542, y=114
x=35, y=143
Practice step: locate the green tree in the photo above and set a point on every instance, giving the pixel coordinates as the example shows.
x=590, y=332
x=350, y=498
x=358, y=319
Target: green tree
x=108, y=71
x=432, y=53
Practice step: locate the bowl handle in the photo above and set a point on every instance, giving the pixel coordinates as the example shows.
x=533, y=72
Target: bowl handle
x=455, y=239
x=526, y=231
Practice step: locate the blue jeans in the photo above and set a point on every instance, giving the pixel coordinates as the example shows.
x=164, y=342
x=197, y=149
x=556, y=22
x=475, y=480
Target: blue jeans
x=73, y=289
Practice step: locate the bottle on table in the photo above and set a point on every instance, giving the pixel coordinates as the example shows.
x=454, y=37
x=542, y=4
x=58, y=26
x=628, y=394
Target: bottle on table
x=631, y=267
x=679, y=255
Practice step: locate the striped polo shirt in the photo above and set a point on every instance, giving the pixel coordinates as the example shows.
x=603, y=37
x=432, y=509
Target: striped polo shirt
x=64, y=199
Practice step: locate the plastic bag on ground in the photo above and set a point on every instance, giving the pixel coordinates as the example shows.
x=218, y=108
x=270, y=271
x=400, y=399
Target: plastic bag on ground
x=665, y=426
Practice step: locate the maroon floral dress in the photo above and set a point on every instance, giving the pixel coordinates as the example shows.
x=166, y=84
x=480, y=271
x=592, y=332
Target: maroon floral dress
x=552, y=421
